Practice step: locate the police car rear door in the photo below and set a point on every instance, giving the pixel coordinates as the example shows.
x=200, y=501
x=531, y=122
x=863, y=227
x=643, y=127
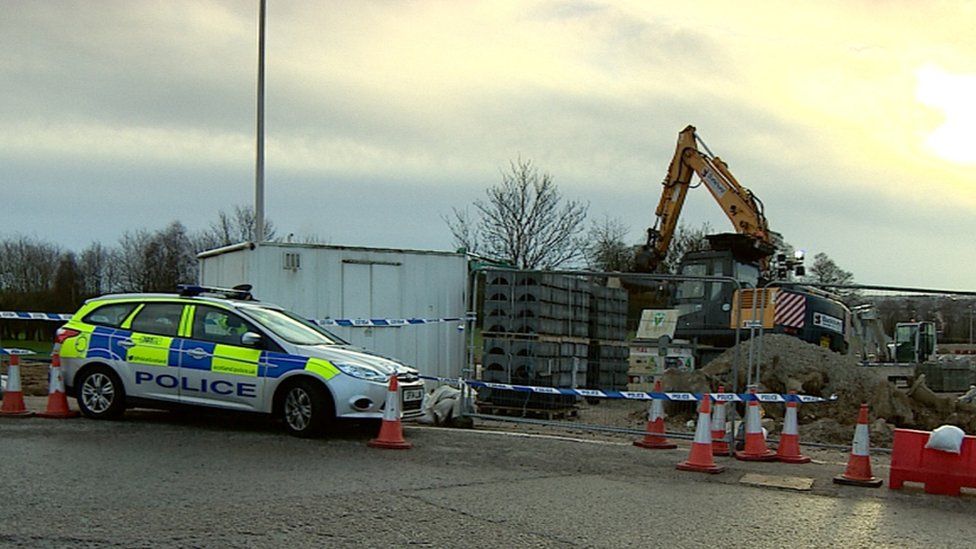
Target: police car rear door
x=215, y=367
x=151, y=366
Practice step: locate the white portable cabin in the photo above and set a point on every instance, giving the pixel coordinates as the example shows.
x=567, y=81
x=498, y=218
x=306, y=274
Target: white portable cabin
x=339, y=282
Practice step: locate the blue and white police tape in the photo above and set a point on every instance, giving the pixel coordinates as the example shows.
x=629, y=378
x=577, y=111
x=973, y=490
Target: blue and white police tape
x=638, y=395
x=331, y=322
x=14, y=315
x=387, y=322
x=18, y=352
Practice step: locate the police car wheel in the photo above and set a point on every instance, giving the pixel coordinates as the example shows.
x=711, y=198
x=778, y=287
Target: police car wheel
x=306, y=408
x=100, y=393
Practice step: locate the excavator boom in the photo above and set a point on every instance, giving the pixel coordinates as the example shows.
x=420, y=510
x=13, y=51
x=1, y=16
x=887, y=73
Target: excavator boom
x=742, y=208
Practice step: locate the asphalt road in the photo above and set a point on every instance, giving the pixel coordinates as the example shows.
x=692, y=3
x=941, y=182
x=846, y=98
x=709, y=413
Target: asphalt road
x=161, y=479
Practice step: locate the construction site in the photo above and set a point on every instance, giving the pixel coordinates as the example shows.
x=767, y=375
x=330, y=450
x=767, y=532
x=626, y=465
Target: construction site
x=740, y=314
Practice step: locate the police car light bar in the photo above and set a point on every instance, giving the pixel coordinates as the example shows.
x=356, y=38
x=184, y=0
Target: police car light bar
x=241, y=291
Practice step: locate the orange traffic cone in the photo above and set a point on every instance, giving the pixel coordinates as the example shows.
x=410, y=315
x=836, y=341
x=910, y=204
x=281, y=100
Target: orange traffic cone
x=13, y=396
x=57, y=400
x=655, y=439
x=391, y=431
x=700, y=459
x=858, y=471
x=755, y=449
x=719, y=445
x=789, y=440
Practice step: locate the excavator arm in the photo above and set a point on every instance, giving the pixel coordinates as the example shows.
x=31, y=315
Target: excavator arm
x=743, y=209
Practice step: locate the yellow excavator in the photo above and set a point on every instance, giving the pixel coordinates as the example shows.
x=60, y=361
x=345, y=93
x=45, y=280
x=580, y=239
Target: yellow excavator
x=708, y=312
x=743, y=209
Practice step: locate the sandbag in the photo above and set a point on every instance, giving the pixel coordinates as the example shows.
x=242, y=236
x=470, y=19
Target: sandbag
x=947, y=438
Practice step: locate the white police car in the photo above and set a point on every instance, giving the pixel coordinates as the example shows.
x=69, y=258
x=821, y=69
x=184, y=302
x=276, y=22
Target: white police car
x=219, y=348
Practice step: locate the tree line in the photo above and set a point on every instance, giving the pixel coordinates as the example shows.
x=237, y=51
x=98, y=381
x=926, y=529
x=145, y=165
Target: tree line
x=36, y=275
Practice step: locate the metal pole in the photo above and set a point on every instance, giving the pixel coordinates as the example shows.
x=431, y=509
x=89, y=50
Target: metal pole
x=259, y=168
x=472, y=323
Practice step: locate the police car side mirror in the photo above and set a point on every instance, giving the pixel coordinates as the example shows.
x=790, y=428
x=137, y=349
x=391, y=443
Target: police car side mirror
x=251, y=339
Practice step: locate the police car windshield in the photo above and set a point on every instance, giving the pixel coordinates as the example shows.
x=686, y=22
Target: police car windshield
x=292, y=328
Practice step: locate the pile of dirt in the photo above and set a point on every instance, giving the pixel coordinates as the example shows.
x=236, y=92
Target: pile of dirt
x=787, y=363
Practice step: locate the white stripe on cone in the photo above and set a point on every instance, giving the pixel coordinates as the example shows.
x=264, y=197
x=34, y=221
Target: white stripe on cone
x=13, y=378
x=391, y=412
x=657, y=410
x=753, y=425
x=703, y=431
x=790, y=426
x=57, y=381
x=861, y=441
x=718, y=417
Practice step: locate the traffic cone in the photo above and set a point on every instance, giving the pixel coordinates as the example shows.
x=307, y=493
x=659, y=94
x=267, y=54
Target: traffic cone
x=858, y=471
x=391, y=431
x=755, y=449
x=655, y=439
x=720, y=447
x=700, y=459
x=13, y=396
x=788, y=450
x=57, y=400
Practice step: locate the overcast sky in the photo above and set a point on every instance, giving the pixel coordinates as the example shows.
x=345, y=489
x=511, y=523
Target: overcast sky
x=853, y=121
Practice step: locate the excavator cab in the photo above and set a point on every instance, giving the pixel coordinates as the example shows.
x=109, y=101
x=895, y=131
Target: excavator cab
x=704, y=307
x=914, y=342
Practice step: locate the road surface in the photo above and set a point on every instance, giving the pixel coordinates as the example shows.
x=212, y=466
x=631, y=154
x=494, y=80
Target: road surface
x=161, y=479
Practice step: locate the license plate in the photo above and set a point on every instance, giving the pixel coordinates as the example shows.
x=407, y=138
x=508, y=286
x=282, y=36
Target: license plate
x=413, y=394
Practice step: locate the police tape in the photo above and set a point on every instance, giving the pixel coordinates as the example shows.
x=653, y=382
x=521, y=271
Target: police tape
x=54, y=317
x=18, y=352
x=387, y=322
x=330, y=322
x=638, y=395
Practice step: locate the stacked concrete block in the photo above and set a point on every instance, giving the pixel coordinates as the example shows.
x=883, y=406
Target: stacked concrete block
x=608, y=366
x=608, y=314
x=536, y=304
x=608, y=333
x=553, y=330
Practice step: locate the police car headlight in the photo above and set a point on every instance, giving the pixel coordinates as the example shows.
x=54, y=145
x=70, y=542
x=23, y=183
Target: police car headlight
x=361, y=371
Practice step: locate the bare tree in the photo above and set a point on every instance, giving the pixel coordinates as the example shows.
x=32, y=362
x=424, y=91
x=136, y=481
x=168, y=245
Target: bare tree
x=524, y=221
x=686, y=240
x=67, y=288
x=826, y=271
x=606, y=249
x=27, y=265
x=130, y=258
x=96, y=270
x=233, y=228
x=155, y=261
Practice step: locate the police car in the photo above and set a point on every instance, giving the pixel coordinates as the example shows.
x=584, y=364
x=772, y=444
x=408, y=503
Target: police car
x=220, y=348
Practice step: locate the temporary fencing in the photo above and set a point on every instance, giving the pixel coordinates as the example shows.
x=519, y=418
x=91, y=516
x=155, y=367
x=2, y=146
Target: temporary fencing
x=474, y=408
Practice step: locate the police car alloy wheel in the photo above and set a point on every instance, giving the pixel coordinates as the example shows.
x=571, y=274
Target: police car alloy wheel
x=306, y=409
x=100, y=394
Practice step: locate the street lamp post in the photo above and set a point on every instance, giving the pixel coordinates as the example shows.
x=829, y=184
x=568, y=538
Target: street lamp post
x=259, y=163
